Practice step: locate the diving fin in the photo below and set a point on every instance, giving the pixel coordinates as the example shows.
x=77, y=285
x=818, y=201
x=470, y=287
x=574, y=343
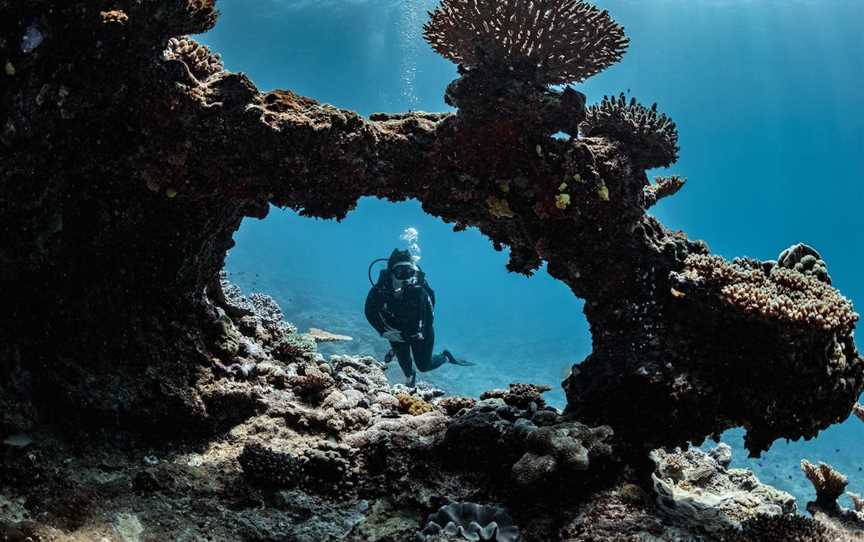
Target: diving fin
x=460, y=362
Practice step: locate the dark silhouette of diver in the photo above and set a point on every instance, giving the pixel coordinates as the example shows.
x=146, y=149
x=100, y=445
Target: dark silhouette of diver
x=400, y=307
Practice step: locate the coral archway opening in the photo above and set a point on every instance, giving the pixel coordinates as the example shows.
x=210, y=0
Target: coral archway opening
x=516, y=328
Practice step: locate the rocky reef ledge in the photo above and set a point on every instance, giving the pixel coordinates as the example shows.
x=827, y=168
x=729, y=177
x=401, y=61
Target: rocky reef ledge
x=328, y=450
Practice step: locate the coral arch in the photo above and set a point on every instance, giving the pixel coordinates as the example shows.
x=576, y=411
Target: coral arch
x=129, y=159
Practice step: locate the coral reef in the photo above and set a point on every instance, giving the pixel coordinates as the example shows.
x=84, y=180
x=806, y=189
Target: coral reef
x=786, y=319
x=469, y=521
x=116, y=322
x=133, y=234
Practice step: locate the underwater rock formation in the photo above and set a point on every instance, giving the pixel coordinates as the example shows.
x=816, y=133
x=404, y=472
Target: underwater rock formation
x=129, y=160
x=699, y=492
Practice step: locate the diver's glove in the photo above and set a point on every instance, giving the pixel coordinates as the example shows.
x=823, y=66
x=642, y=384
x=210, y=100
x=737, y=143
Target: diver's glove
x=394, y=336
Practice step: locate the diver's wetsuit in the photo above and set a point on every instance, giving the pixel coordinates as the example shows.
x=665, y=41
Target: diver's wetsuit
x=410, y=312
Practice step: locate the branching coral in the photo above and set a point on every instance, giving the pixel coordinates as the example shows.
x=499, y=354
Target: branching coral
x=779, y=293
x=561, y=41
x=827, y=481
x=650, y=136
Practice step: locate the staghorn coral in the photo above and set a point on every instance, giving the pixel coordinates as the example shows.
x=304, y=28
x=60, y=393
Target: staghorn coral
x=649, y=135
x=414, y=406
x=552, y=41
x=469, y=521
x=454, y=405
x=780, y=293
x=828, y=482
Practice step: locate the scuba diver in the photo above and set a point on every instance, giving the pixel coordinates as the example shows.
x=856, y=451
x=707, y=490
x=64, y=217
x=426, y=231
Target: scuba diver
x=400, y=307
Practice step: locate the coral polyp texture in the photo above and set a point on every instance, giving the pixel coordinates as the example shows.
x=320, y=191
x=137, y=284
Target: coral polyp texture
x=555, y=41
x=771, y=292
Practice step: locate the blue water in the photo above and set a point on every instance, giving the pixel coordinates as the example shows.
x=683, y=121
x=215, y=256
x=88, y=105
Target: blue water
x=767, y=96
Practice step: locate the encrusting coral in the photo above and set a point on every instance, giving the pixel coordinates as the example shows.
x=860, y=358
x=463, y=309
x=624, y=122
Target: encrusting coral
x=413, y=405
